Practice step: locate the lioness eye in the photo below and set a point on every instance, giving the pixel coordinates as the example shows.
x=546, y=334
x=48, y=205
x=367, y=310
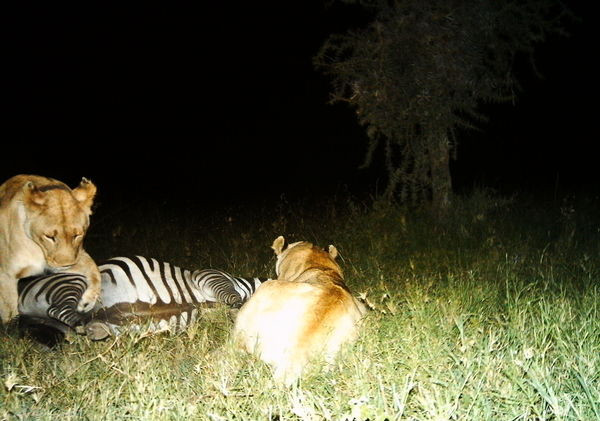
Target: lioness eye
x=51, y=238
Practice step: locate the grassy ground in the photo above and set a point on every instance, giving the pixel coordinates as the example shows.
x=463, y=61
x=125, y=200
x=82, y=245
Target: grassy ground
x=491, y=315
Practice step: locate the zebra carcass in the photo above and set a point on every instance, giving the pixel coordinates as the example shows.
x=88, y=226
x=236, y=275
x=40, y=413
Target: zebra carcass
x=136, y=293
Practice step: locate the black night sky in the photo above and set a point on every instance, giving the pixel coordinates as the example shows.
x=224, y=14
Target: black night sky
x=224, y=101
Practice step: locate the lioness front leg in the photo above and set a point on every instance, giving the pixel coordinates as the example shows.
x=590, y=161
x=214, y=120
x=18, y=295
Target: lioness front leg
x=91, y=294
x=87, y=267
x=8, y=299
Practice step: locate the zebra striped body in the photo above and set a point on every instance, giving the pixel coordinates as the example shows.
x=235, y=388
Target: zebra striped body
x=51, y=299
x=147, y=280
x=135, y=291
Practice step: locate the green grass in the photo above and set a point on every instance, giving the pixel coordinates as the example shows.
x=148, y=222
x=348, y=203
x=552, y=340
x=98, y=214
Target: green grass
x=491, y=314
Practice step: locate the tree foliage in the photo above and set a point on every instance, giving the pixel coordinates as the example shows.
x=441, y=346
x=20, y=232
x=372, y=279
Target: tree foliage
x=421, y=69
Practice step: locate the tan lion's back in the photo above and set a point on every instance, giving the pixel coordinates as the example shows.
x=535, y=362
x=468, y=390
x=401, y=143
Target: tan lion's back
x=306, y=314
x=289, y=323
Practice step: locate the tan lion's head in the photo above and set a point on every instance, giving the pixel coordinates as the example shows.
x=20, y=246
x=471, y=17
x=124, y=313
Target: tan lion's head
x=294, y=258
x=57, y=219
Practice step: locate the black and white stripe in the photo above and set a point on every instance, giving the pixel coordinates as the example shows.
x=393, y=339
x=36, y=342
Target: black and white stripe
x=135, y=291
x=139, y=278
x=52, y=298
x=222, y=287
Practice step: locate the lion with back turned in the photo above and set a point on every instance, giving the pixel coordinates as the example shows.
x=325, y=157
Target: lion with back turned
x=307, y=313
x=42, y=226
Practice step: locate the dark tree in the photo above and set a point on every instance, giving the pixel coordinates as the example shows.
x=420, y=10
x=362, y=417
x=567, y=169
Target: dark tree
x=421, y=70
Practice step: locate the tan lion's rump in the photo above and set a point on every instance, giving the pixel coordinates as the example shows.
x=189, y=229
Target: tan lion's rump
x=307, y=313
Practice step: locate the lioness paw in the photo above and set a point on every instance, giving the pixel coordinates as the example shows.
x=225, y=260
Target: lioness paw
x=88, y=300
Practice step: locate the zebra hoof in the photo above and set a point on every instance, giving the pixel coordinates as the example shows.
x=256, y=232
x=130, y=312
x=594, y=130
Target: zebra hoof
x=236, y=304
x=97, y=331
x=233, y=313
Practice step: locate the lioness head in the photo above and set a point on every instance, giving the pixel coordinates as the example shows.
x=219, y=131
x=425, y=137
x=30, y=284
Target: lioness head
x=57, y=219
x=294, y=258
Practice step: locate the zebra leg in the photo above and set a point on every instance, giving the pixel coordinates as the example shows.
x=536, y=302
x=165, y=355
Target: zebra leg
x=234, y=301
x=219, y=286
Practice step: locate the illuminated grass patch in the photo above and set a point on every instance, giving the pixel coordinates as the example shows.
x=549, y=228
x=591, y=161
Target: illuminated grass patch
x=491, y=314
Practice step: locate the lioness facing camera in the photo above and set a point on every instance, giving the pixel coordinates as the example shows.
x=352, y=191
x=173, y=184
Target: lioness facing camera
x=42, y=226
x=306, y=313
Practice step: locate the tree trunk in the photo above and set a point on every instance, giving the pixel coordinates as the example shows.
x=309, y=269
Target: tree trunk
x=441, y=181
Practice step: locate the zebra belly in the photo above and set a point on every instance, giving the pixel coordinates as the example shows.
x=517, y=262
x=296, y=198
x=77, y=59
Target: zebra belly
x=120, y=317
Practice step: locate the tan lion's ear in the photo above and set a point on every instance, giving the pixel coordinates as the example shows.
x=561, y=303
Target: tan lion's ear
x=32, y=195
x=85, y=193
x=279, y=245
x=333, y=251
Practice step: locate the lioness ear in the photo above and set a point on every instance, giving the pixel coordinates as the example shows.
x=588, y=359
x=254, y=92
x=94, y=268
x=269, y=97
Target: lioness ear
x=32, y=195
x=279, y=245
x=333, y=251
x=85, y=193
